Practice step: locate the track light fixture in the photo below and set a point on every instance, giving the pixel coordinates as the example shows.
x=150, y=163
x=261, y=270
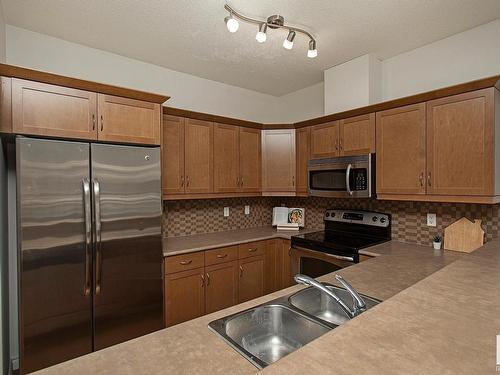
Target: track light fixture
x=288, y=42
x=273, y=22
x=261, y=34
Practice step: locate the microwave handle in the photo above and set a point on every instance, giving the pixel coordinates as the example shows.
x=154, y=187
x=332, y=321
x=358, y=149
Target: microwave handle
x=347, y=178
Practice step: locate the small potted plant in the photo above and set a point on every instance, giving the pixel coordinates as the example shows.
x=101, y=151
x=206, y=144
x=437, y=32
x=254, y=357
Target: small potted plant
x=436, y=242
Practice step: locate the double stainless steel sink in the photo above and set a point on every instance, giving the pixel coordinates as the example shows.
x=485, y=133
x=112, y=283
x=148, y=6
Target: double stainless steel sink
x=270, y=331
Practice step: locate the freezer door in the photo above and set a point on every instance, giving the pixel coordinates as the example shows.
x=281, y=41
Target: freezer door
x=128, y=300
x=55, y=251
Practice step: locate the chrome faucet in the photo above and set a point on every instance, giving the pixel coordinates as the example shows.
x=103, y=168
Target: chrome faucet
x=359, y=305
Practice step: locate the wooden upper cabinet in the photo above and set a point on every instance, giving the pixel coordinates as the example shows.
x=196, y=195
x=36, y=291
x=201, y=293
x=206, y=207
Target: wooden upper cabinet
x=221, y=286
x=278, y=161
x=250, y=157
x=49, y=110
x=173, y=155
x=401, y=150
x=198, y=156
x=5, y=105
x=303, y=141
x=325, y=140
x=226, y=158
x=460, y=144
x=128, y=120
x=357, y=135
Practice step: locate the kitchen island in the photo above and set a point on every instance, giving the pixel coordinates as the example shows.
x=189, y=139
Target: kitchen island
x=438, y=316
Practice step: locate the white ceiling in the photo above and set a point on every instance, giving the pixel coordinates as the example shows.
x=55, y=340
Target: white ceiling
x=190, y=35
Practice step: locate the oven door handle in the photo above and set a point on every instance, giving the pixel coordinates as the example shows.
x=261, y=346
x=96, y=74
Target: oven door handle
x=347, y=179
x=340, y=257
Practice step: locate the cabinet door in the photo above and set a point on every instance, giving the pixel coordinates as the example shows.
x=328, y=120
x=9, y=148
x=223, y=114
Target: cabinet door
x=173, y=155
x=325, y=140
x=357, y=135
x=272, y=266
x=222, y=286
x=288, y=272
x=250, y=156
x=49, y=110
x=226, y=158
x=5, y=105
x=278, y=160
x=401, y=150
x=303, y=138
x=128, y=120
x=185, y=296
x=460, y=136
x=251, y=280
x=198, y=154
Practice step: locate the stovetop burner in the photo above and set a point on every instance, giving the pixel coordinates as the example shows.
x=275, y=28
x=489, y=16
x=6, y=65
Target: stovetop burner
x=346, y=232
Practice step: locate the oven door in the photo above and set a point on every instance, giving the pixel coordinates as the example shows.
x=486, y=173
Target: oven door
x=316, y=263
x=342, y=177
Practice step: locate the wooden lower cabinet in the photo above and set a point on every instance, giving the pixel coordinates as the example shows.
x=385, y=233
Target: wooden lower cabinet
x=287, y=273
x=185, y=296
x=207, y=281
x=251, y=280
x=221, y=286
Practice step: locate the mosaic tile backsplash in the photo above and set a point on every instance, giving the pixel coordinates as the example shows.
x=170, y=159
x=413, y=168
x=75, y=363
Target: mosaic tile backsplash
x=409, y=220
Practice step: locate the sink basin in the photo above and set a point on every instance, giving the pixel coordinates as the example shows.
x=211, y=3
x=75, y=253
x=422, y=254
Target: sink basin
x=320, y=305
x=266, y=333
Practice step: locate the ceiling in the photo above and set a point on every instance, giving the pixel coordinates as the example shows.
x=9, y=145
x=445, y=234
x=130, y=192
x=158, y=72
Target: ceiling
x=190, y=35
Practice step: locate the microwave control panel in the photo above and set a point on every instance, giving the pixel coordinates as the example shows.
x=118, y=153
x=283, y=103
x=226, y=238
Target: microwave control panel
x=359, y=179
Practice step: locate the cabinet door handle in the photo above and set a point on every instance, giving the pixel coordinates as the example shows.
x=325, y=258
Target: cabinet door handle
x=337, y=145
x=202, y=280
x=293, y=180
x=220, y=256
x=187, y=181
x=182, y=181
x=340, y=144
x=429, y=182
x=93, y=121
x=421, y=178
x=208, y=279
x=102, y=123
x=241, y=271
x=186, y=262
x=241, y=181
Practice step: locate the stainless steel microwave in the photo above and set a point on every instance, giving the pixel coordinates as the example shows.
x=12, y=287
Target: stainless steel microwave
x=342, y=177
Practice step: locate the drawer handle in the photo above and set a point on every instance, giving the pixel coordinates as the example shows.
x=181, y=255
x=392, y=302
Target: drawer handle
x=252, y=250
x=186, y=262
x=220, y=256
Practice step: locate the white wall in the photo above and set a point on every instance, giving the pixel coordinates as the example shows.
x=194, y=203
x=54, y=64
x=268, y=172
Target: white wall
x=355, y=83
x=2, y=36
x=301, y=105
x=38, y=51
x=463, y=57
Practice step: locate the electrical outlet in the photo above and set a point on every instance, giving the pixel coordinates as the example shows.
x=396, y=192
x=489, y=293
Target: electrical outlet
x=226, y=211
x=247, y=210
x=431, y=220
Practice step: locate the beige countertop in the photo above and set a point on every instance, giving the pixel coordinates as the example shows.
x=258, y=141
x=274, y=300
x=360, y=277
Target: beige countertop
x=437, y=315
x=206, y=241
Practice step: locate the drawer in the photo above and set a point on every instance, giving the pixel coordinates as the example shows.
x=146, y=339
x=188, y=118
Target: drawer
x=221, y=255
x=183, y=262
x=251, y=249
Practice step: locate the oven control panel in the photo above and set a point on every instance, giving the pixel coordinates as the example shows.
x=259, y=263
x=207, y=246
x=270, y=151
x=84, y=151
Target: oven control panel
x=376, y=219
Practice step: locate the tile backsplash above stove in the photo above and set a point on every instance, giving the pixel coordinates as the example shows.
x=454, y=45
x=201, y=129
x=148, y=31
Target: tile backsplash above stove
x=409, y=221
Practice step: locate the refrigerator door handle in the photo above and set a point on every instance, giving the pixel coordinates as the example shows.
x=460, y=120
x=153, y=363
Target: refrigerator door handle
x=88, y=235
x=98, y=255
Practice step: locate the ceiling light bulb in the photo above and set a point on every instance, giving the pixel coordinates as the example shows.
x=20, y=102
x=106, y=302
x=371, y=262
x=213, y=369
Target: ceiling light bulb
x=288, y=42
x=312, y=52
x=261, y=35
x=232, y=24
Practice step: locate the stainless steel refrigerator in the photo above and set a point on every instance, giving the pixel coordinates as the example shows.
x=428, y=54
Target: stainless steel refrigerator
x=89, y=223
